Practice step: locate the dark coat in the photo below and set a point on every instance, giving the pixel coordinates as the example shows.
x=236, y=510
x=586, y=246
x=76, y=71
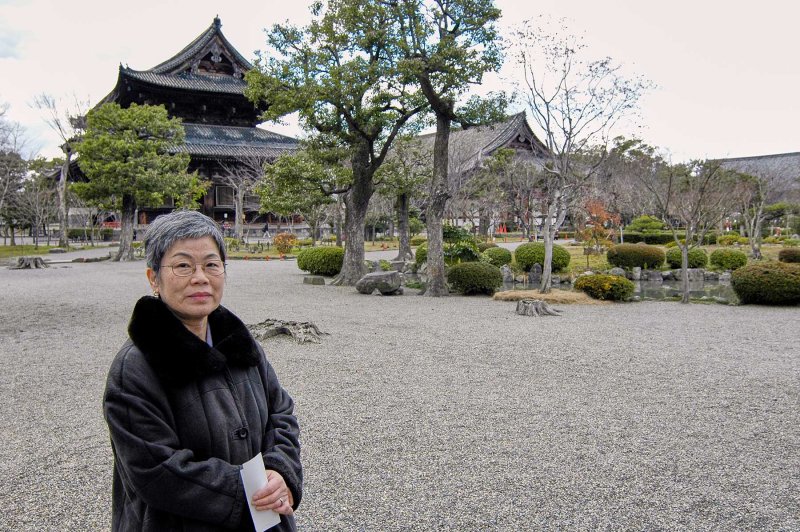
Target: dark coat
x=184, y=416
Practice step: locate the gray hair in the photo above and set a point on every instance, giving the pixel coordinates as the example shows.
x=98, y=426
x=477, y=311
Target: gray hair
x=178, y=225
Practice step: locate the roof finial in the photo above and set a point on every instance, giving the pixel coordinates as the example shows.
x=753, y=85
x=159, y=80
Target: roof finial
x=217, y=22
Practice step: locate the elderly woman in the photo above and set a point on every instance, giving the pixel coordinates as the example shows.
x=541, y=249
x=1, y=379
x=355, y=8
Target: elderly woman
x=190, y=397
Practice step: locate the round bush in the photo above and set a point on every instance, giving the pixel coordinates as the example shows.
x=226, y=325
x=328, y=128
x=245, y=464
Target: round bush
x=767, y=283
x=533, y=253
x=417, y=240
x=697, y=258
x=483, y=246
x=727, y=259
x=475, y=278
x=636, y=255
x=789, y=255
x=608, y=287
x=498, y=256
x=321, y=261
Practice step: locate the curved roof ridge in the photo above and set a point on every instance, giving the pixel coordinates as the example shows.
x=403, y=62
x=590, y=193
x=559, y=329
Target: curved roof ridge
x=196, y=46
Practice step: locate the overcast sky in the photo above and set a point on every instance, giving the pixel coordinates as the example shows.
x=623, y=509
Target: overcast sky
x=727, y=72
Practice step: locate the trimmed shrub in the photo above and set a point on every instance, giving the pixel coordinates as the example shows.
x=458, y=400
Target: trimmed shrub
x=417, y=240
x=789, y=255
x=321, y=260
x=461, y=251
x=483, y=246
x=532, y=253
x=636, y=255
x=646, y=223
x=498, y=256
x=284, y=242
x=791, y=242
x=727, y=259
x=608, y=287
x=767, y=283
x=730, y=239
x=475, y=278
x=421, y=254
x=697, y=258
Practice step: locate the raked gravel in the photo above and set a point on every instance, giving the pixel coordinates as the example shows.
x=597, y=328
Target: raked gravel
x=437, y=414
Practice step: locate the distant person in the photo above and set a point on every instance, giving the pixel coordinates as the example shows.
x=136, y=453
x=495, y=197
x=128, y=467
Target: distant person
x=191, y=396
x=266, y=230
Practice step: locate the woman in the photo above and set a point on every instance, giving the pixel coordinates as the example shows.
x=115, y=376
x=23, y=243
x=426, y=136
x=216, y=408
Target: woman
x=190, y=397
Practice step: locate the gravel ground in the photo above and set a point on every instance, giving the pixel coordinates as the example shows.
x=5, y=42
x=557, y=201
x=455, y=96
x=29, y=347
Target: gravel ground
x=437, y=414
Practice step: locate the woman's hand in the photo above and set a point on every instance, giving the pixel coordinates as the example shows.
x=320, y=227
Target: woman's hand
x=275, y=495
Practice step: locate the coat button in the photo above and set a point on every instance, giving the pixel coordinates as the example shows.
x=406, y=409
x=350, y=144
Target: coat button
x=242, y=433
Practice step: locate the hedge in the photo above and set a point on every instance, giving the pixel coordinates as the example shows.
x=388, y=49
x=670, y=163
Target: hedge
x=475, y=278
x=498, y=256
x=767, y=283
x=602, y=286
x=636, y=255
x=326, y=260
x=697, y=258
x=417, y=240
x=789, y=255
x=532, y=253
x=661, y=238
x=727, y=259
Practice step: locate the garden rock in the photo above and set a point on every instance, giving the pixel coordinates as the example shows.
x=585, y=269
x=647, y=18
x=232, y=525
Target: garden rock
x=652, y=275
x=725, y=277
x=535, y=275
x=636, y=273
x=617, y=271
x=695, y=274
x=710, y=276
x=314, y=279
x=387, y=283
x=508, y=275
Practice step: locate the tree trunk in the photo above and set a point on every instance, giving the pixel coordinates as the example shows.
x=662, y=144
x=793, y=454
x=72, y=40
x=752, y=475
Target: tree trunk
x=63, y=210
x=483, y=225
x=549, y=235
x=125, y=252
x=685, y=271
x=439, y=193
x=404, y=253
x=356, y=205
x=238, y=225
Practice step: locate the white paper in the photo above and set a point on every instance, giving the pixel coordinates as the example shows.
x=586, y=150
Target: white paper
x=254, y=476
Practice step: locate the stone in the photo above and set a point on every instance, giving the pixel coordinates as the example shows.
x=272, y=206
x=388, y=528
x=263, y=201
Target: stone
x=400, y=265
x=535, y=307
x=535, y=275
x=555, y=279
x=314, y=279
x=710, y=276
x=695, y=274
x=387, y=283
x=652, y=275
x=636, y=273
x=57, y=250
x=508, y=275
x=725, y=277
x=617, y=271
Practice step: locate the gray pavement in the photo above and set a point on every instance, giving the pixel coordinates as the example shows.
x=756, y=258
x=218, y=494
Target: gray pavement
x=437, y=414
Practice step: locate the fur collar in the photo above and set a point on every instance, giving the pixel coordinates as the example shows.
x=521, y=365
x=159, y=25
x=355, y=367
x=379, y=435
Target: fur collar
x=177, y=355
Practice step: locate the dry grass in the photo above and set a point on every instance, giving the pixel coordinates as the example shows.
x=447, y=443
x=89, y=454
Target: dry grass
x=563, y=297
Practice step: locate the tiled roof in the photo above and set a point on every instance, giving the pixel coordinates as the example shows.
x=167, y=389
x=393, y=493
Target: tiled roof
x=469, y=146
x=221, y=84
x=235, y=142
x=196, y=46
x=780, y=162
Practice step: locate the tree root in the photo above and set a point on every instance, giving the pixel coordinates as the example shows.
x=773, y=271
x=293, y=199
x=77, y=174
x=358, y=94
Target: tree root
x=535, y=307
x=301, y=331
x=28, y=263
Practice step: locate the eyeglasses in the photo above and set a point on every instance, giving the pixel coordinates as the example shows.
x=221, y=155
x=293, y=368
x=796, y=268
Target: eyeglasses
x=185, y=269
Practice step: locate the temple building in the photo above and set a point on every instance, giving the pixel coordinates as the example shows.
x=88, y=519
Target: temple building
x=204, y=85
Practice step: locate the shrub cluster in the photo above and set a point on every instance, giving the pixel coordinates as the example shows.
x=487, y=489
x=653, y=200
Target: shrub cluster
x=730, y=239
x=661, y=238
x=767, y=283
x=498, y=256
x=284, y=242
x=608, y=287
x=532, y=253
x=727, y=259
x=633, y=255
x=646, y=223
x=325, y=260
x=475, y=278
x=417, y=240
x=483, y=246
x=789, y=255
x=697, y=258
x=791, y=242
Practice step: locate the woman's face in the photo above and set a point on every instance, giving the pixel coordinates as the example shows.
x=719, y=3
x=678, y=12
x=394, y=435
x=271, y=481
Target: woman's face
x=193, y=297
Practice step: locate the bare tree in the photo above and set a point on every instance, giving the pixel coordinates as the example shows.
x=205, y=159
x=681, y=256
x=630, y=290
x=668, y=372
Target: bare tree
x=575, y=103
x=69, y=122
x=761, y=181
x=697, y=195
x=242, y=175
x=36, y=205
